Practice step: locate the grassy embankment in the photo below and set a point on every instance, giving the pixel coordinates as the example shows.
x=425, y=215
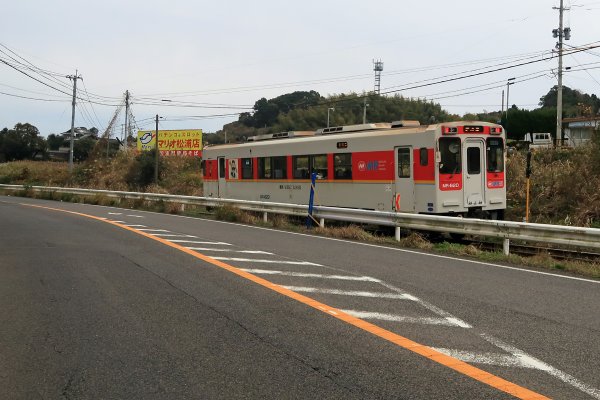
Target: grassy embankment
x=565, y=189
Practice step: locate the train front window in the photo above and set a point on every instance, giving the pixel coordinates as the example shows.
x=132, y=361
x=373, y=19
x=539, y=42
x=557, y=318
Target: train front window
x=450, y=159
x=473, y=160
x=495, y=155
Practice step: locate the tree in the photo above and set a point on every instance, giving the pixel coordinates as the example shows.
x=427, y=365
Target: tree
x=575, y=103
x=21, y=142
x=55, y=141
x=82, y=148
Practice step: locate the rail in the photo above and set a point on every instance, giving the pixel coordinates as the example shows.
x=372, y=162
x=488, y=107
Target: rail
x=507, y=230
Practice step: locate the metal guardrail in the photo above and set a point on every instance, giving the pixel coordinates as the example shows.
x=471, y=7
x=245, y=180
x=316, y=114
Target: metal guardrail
x=506, y=230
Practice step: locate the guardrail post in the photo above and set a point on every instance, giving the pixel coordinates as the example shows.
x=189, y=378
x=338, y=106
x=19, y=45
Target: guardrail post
x=322, y=222
x=506, y=246
x=265, y=217
x=182, y=207
x=397, y=234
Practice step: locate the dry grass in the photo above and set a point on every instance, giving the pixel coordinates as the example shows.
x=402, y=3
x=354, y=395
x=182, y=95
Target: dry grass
x=416, y=241
x=350, y=232
x=233, y=214
x=44, y=173
x=178, y=175
x=565, y=186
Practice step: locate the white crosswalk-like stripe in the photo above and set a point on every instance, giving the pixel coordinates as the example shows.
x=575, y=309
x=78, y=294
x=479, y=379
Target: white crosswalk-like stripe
x=501, y=360
x=356, y=293
x=266, y=261
x=230, y=250
x=310, y=275
x=413, y=320
x=172, y=235
x=198, y=242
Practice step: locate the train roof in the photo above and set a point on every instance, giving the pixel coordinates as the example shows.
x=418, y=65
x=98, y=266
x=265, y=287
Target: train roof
x=347, y=131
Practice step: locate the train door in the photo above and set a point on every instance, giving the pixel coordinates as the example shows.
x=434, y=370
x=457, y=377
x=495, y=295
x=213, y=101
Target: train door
x=221, y=180
x=473, y=173
x=404, y=197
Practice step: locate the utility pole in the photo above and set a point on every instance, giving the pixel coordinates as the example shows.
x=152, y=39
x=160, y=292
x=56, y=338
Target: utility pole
x=560, y=33
x=509, y=82
x=157, y=153
x=126, y=130
x=71, y=145
x=365, y=105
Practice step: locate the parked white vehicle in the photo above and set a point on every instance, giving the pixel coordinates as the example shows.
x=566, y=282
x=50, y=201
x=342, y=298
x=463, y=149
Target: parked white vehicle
x=539, y=140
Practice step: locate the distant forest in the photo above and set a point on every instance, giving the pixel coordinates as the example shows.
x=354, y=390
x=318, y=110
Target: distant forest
x=308, y=110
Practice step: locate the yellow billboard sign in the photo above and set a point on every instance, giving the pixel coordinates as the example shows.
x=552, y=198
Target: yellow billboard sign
x=184, y=142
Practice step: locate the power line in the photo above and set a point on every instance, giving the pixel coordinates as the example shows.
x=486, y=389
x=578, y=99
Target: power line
x=33, y=98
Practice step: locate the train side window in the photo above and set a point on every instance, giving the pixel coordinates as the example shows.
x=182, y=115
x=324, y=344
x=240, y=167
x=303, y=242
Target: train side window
x=221, y=167
x=319, y=165
x=342, y=165
x=495, y=155
x=300, y=166
x=473, y=160
x=279, y=167
x=423, y=156
x=450, y=158
x=264, y=168
x=404, y=162
x=246, y=168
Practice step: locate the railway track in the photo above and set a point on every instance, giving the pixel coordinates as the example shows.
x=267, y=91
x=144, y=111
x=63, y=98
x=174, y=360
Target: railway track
x=535, y=249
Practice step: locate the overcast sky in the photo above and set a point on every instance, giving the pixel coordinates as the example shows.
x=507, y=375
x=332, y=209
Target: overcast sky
x=222, y=54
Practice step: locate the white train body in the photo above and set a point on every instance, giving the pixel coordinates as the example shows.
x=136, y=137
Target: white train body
x=454, y=168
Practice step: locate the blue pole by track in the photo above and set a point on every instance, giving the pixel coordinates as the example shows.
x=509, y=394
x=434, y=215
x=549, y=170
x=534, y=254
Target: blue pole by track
x=309, y=220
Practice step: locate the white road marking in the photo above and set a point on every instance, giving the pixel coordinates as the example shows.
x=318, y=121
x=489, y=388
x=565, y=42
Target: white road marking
x=231, y=251
x=501, y=360
x=524, y=359
x=135, y=216
x=171, y=235
x=114, y=213
x=533, y=362
x=136, y=226
x=118, y=222
x=266, y=261
x=402, y=318
x=309, y=275
x=197, y=242
x=464, y=260
x=430, y=307
x=356, y=293
x=153, y=230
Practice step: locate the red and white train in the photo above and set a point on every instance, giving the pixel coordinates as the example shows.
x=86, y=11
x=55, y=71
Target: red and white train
x=453, y=168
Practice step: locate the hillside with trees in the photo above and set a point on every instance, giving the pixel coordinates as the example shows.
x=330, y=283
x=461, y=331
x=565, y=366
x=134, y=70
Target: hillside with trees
x=307, y=110
x=299, y=111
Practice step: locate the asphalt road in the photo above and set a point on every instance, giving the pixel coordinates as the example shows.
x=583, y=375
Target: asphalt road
x=91, y=309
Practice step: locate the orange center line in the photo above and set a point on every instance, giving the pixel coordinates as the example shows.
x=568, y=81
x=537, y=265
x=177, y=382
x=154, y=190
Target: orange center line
x=401, y=341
